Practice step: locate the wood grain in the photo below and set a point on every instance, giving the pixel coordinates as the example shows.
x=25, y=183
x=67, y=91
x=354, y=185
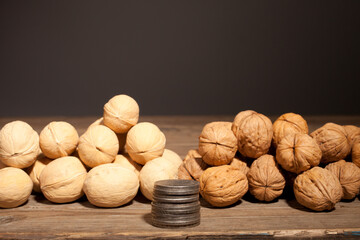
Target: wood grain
x=40, y=219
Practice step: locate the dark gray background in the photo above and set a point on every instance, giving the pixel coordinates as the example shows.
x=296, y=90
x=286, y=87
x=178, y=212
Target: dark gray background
x=180, y=57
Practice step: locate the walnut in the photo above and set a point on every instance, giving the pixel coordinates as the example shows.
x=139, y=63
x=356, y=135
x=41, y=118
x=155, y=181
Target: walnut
x=223, y=185
x=98, y=145
x=110, y=185
x=355, y=155
x=192, y=167
x=298, y=152
x=155, y=170
x=121, y=136
x=353, y=133
x=265, y=179
x=145, y=142
x=19, y=144
x=317, y=189
x=121, y=112
x=254, y=133
x=58, y=139
x=217, y=143
x=333, y=142
x=240, y=164
x=15, y=187
x=286, y=124
x=349, y=176
x=62, y=180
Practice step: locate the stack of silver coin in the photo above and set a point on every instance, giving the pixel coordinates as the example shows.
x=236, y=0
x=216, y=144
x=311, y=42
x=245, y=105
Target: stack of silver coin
x=175, y=203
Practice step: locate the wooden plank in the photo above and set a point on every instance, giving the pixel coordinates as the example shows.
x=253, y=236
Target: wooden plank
x=39, y=218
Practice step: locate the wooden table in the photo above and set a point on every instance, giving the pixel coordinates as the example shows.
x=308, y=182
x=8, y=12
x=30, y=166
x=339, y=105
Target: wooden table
x=39, y=218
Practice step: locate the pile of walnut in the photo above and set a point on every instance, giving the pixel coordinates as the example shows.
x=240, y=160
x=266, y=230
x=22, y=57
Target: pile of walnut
x=109, y=163
x=253, y=154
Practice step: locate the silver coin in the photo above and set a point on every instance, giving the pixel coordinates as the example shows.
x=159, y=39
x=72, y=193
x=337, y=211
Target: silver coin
x=176, y=199
x=177, y=186
x=177, y=211
x=175, y=217
x=175, y=223
x=175, y=191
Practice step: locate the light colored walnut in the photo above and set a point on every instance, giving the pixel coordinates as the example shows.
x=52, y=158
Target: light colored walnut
x=19, y=144
x=121, y=136
x=317, y=189
x=298, y=152
x=217, y=143
x=58, y=139
x=265, y=179
x=121, y=113
x=62, y=180
x=145, y=142
x=155, y=170
x=333, y=142
x=15, y=187
x=349, y=176
x=288, y=123
x=125, y=161
x=254, y=133
x=110, y=185
x=223, y=185
x=35, y=170
x=98, y=145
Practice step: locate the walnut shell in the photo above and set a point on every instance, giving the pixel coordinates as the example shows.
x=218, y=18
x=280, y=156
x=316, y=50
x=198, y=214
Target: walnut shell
x=98, y=145
x=145, y=142
x=126, y=162
x=349, y=176
x=223, y=185
x=217, y=143
x=317, y=189
x=353, y=133
x=110, y=185
x=19, y=144
x=172, y=156
x=298, y=152
x=121, y=136
x=15, y=187
x=62, y=180
x=265, y=179
x=355, y=155
x=58, y=139
x=192, y=167
x=155, y=170
x=288, y=123
x=241, y=165
x=35, y=170
x=121, y=112
x=333, y=142
x=254, y=133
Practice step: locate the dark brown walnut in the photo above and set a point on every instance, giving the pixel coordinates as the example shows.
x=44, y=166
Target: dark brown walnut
x=353, y=133
x=253, y=132
x=265, y=179
x=298, y=152
x=288, y=123
x=183, y=173
x=333, y=142
x=317, y=189
x=192, y=167
x=223, y=185
x=355, y=155
x=217, y=143
x=349, y=176
x=240, y=164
